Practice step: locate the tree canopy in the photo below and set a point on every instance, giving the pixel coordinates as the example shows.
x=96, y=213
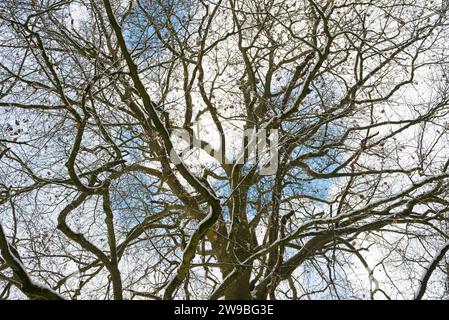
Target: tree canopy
x=100, y=198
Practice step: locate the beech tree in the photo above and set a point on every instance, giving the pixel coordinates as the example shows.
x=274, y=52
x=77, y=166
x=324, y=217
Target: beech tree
x=103, y=198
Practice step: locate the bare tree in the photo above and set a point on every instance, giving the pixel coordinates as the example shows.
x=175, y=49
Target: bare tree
x=101, y=199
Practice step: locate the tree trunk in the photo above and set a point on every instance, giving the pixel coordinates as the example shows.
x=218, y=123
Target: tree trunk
x=240, y=289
